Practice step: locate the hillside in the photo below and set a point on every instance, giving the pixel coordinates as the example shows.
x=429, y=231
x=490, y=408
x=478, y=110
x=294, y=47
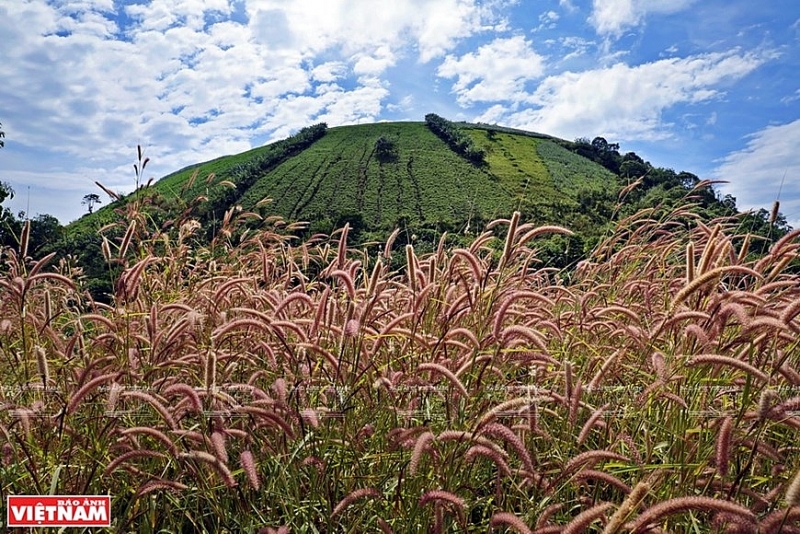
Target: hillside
x=418, y=180
x=423, y=178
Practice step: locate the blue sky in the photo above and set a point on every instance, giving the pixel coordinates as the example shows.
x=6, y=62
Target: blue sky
x=707, y=86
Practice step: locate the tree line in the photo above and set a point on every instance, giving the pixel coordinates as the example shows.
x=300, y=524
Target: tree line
x=665, y=189
x=456, y=139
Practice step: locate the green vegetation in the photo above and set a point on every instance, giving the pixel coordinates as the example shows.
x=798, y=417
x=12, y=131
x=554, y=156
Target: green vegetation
x=342, y=178
x=380, y=177
x=570, y=173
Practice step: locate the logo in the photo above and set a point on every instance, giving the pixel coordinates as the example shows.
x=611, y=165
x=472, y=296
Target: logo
x=58, y=511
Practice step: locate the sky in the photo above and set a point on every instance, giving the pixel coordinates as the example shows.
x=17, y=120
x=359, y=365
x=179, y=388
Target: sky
x=710, y=87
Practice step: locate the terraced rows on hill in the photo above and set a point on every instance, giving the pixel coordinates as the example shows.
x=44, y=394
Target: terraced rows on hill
x=340, y=175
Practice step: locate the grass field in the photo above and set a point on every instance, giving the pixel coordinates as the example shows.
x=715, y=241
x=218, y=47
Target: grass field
x=340, y=174
x=262, y=384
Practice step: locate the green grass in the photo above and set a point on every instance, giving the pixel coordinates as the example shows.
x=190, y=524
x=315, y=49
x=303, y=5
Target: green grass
x=570, y=172
x=513, y=159
x=340, y=174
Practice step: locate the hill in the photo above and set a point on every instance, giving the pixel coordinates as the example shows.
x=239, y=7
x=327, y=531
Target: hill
x=380, y=176
x=424, y=178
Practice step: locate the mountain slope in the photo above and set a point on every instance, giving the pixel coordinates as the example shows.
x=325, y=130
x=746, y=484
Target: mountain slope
x=424, y=178
x=383, y=175
x=425, y=182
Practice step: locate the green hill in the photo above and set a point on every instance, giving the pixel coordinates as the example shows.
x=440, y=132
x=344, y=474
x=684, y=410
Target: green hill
x=388, y=174
x=424, y=178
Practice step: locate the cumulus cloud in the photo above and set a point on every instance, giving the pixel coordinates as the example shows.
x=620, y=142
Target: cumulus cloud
x=496, y=71
x=548, y=20
x=90, y=79
x=769, y=164
x=161, y=15
x=625, y=102
x=374, y=63
x=432, y=27
x=567, y=5
x=613, y=17
x=190, y=59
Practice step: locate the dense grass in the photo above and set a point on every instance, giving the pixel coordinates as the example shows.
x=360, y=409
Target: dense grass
x=570, y=172
x=340, y=174
x=257, y=383
x=516, y=164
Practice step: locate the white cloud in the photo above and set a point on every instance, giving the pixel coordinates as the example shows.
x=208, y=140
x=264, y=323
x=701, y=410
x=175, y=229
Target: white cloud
x=577, y=47
x=375, y=63
x=613, y=17
x=160, y=15
x=568, y=5
x=177, y=56
x=496, y=71
x=188, y=81
x=756, y=172
x=669, y=51
x=624, y=102
x=330, y=71
x=357, y=106
x=791, y=98
x=271, y=29
x=405, y=105
x=432, y=27
x=182, y=58
x=548, y=20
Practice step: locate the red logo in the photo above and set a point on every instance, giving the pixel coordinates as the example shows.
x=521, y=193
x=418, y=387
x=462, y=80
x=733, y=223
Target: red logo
x=58, y=511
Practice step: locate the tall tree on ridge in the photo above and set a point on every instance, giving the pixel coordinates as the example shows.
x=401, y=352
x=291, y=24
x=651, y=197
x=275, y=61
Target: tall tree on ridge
x=90, y=200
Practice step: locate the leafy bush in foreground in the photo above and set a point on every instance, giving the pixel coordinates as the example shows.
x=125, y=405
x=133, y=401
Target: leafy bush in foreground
x=651, y=390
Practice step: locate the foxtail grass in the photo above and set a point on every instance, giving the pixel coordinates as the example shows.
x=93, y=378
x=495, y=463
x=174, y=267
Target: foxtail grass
x=259, y=380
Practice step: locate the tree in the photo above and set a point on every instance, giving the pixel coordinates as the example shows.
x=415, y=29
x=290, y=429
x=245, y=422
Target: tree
x=9, y=228
x=46, y=233
x=90, y=200
x=5, y=192
x=607, y=154
x=386, y=150
x=633, y=166
x=2, y=135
